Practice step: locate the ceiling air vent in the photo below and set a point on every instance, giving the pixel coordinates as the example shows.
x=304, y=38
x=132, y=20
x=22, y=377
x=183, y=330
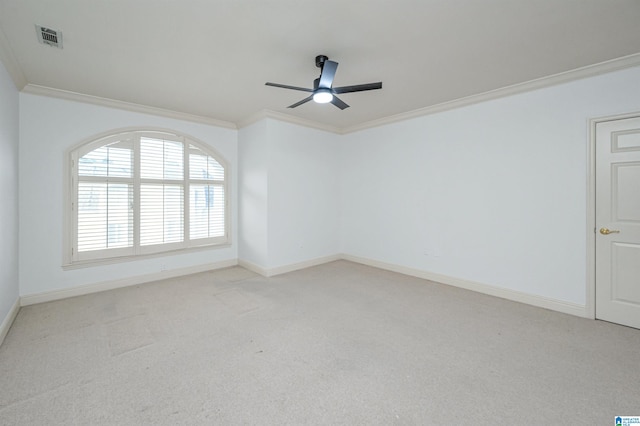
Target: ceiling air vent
x=49, y=36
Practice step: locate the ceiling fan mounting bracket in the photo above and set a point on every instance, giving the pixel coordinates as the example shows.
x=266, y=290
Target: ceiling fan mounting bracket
x=320, y=60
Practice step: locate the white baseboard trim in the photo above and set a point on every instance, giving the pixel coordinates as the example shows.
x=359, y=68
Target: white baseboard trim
x=49, y=296
x=270, y=272
x=302, y=265
x=503, y=293
x=253, y=267
x=8, y=320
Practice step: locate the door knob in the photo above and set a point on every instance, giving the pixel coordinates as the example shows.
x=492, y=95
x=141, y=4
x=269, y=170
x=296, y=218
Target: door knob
x=606, y=231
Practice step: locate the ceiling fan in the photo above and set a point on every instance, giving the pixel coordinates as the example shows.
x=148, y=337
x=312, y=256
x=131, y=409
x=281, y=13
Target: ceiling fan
x=322, y=91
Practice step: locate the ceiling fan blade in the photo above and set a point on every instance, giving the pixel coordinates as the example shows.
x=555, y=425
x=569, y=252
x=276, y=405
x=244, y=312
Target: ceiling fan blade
x=284, y=86
x=339, y=103
x=328, y=73
x=357, y=88
x=304, y=101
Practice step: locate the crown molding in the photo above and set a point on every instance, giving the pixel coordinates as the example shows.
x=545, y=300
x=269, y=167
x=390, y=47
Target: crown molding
x=266, y=113
x=539, y=83
x=35, y=89
x=10, y=62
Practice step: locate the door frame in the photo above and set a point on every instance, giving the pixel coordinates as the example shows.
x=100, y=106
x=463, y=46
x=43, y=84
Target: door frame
x=590, y=307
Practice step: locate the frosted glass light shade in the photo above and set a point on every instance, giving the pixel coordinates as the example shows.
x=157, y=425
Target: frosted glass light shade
x=322, y=96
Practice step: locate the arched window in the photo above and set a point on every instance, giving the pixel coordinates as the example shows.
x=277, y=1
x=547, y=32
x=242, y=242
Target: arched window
x=144, y=192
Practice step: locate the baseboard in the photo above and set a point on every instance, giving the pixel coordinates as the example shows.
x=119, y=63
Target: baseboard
x=8, y=320
x=49, y=296
x=302, y=265
x=253, y=267
x=270, y=272
x=515, y=296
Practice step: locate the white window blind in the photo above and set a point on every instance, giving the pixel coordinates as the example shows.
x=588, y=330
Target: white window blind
x=207, y=211
x=207, y=196
x=146, y=192
x=105, y=216
x=161, y=204
x=161, y=159
x=104, y=198
x=161, y=214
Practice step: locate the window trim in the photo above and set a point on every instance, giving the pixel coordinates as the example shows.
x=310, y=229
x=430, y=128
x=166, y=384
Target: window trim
x=70, y=258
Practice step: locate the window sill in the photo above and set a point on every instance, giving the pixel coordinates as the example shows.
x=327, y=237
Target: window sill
x=115, y=260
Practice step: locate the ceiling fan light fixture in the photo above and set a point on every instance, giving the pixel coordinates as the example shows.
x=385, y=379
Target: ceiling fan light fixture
x=322, y=96
x=323, y=91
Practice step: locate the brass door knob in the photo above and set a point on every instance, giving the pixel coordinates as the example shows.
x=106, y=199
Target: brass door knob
x=606, y=231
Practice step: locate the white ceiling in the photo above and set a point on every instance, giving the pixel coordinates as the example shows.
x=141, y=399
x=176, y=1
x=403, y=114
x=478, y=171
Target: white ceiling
x=212, y=57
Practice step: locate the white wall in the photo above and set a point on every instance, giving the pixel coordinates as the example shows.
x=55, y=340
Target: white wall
x=9, y=106
x=252, y=198
x=288, y=194
x=303, y=194
x=48, y=127
x=493, y=193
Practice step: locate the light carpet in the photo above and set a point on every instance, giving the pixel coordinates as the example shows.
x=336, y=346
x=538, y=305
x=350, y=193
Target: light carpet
x=340, y=343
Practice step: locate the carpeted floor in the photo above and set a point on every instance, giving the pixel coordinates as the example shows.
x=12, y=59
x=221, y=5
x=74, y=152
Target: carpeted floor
x=340, y=343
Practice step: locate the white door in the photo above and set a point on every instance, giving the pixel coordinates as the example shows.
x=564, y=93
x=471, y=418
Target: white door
x=618, y=221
